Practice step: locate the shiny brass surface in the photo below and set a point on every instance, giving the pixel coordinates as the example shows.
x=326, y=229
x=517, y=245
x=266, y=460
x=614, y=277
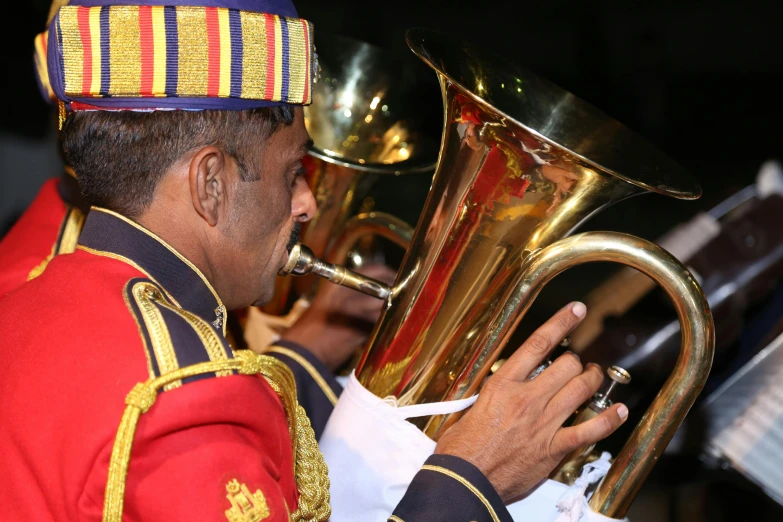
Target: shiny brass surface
x=556, y=116
x=501, y=191
x=363, y=127
x=649, y=439
x=522, y=164
x=361, y=116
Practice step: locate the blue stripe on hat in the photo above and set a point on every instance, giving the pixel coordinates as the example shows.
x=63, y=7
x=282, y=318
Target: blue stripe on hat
x=286, y=79
x=105, y=51
x=235, y=29
x=172, y=49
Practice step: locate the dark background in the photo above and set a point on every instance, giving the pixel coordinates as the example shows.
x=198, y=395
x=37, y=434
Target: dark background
x=702, y=80
x=699, y=79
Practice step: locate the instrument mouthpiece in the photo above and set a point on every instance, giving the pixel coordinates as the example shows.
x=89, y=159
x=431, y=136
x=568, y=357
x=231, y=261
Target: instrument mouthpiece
x=302, y=261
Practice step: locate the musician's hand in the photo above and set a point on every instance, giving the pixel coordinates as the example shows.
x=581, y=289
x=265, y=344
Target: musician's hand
x=339, y=320
x=513, y=433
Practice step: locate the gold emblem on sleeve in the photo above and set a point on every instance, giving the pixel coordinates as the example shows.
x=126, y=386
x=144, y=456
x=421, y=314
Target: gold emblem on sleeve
x=245, y=507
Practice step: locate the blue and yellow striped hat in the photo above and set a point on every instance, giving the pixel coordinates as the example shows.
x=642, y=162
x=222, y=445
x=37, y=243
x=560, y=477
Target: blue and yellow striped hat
x=179, y=54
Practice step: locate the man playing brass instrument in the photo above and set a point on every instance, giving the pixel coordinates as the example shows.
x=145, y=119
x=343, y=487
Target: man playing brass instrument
x=127, y=403
x=312, y=348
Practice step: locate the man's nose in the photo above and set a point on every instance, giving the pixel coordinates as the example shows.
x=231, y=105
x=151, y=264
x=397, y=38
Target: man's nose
x=303, y=205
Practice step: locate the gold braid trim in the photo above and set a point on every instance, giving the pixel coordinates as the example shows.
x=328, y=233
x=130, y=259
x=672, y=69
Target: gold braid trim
x=66, y=241
x=73, y=228
x=61, y=115
x=312, y=475
x=310, y=470
x=40, y=267
x=465, y=482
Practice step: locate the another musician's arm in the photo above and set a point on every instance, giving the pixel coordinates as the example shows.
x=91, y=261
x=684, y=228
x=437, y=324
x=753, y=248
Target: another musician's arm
x=317, y=388
x=450, y=488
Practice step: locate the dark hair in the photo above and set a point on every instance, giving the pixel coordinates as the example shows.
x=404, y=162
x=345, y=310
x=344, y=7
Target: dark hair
x=119, y=156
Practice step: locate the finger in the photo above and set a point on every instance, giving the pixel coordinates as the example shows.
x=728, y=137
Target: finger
x=589, y=432
x=557, y=375
x=575, y=393
x=542, y=342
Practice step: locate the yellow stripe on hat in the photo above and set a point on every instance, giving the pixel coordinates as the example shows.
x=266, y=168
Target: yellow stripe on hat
x=95, y=39
x=193, y=52
x=41, y=44
x=124, y=52
x=159, y=57
x=225, y=54
x=297, y=60
x=254, y=55
x=278, y=59
x=73, y=52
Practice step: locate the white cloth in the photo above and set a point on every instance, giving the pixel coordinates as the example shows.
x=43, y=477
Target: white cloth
x=556, y=502
x=373, y=453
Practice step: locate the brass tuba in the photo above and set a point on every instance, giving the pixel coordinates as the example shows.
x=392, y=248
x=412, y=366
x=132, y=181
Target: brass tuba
x=364, y=128
x=523, y=163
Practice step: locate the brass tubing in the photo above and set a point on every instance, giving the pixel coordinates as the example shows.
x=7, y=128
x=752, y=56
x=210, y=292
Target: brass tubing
x=631, y=466
x=376, y=223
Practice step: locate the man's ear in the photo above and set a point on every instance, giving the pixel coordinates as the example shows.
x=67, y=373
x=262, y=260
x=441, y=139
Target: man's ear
x=208, y=178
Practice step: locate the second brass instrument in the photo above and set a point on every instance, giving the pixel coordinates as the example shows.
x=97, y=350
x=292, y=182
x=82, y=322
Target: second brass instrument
x=523, y=163
x=364, y=129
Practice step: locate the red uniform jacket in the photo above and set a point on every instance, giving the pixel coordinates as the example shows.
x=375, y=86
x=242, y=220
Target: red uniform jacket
x=51, y=226
x=126, y=308
x=47, y=228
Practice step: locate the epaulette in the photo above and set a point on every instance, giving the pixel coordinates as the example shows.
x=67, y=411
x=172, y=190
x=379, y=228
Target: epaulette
x=173, y=338
x=182, y=347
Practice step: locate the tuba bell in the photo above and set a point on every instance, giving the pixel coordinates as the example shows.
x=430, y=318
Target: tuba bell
x=523, y=163
x=364, y=129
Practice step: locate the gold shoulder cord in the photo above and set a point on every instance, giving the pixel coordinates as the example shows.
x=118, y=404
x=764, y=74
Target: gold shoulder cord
x=61, y=115
x=310, y=470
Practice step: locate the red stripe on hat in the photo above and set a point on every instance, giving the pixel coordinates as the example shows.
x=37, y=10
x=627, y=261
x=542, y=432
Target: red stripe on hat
x=81, y=106
x=213, y=51
x=147, y=44
x=83, y=18
x=307, y=54
x=270, y=56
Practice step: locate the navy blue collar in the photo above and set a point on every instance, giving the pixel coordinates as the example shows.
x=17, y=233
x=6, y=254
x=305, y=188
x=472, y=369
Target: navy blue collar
x=110, y=234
